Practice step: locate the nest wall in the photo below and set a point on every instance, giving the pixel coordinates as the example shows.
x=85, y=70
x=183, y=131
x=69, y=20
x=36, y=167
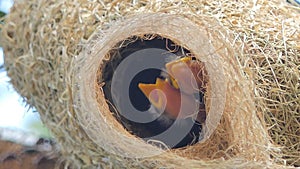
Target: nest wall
x=54, y=50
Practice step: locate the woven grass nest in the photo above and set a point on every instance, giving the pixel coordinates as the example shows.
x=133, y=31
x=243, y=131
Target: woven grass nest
x=57, y=54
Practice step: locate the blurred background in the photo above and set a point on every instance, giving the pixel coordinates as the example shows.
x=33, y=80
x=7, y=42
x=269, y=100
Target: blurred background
x=16, y=119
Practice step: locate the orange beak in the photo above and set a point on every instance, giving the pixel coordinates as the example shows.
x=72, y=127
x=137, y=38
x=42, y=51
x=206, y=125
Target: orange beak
x=165, y=97
x=190, y=75
x=156, y=93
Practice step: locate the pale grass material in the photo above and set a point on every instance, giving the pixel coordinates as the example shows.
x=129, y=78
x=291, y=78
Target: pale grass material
x=250, y=50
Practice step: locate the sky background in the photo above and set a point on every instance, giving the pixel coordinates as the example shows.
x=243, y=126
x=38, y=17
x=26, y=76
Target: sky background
x=13, y=112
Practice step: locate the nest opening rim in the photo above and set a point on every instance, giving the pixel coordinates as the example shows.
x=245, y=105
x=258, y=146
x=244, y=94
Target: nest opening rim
x=91, y=58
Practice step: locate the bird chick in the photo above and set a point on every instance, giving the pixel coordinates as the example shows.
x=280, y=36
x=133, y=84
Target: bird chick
x=189, y=74
x=175, y=94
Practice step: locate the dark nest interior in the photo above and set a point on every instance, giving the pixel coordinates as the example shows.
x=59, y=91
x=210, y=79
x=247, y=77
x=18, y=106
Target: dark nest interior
x=154, y=126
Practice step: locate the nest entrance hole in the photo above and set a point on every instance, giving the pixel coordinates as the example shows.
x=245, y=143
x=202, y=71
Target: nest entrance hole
x=125, y=50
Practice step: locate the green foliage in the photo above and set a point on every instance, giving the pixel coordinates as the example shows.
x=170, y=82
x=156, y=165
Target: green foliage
x=38, y=128
x=2, y=14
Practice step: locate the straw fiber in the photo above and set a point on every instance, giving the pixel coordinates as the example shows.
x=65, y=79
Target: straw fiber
x=56, y=53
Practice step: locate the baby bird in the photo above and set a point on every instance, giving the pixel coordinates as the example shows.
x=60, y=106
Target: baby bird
x=169, y=99
x=175, y=95
x=187, y=73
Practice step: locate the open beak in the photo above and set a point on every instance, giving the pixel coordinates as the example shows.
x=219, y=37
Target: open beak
x=187, y=74
x=155, y=93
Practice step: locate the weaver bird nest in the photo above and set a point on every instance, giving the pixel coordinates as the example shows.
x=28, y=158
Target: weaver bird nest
x=79, y=63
